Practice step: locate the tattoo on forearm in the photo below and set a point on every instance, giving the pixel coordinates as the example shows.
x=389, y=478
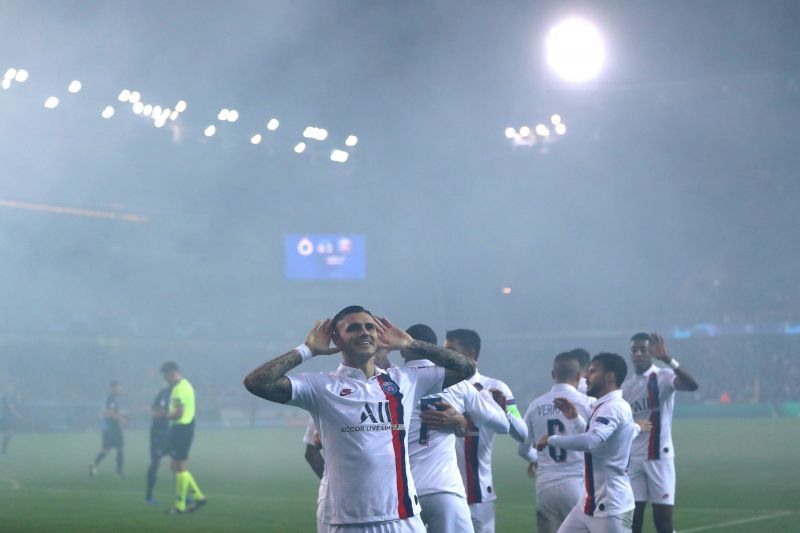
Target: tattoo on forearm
x=269, y=381
x=448, y=359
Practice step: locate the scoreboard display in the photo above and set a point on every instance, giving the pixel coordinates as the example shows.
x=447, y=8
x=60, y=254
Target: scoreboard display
x=325, y=256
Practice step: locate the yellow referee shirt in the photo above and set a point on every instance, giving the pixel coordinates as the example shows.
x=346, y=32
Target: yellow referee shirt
x=182, y=394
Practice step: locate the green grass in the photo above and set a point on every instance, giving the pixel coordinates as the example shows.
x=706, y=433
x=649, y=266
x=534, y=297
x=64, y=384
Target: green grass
x=728, y=470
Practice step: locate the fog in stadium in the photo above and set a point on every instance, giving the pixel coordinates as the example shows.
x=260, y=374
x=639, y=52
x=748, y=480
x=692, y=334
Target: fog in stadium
x=435, y=162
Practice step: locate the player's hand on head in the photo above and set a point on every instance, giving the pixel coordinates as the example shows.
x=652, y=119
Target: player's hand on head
x=541, y=444
x=390, y=336
x=500, y=398
x=644, y=425
x=531, y=470
x=320, y=337
x=566, y=407
x=657, y=347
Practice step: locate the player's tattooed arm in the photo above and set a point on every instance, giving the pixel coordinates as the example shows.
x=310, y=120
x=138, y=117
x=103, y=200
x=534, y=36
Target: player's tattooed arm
x=269, y=381
x=683, y=380
x=315, y=460
x=456, y=367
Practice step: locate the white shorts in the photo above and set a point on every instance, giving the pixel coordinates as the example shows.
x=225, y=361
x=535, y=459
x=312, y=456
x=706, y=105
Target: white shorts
x=653, y=481
x=445, y=512
x=554, y=503
x=409, y=525
x=482, y=516
x=579, y=522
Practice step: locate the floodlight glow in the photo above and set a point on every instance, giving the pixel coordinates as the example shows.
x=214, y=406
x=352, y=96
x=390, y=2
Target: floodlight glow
x=322, y=134
x=147, y=110
x=351, y=140
x=273, y=124
x=159, y=122
x=211, y=130
x=180, y=107
x=156, y=111
x=22, y=75
x=108, y=112
x=124, y=95
x=51, y=103
x=561, y=129
x=555, y=120
x=510, y=133
x=542, y=130
x=233, y=115
x=299, y=148
x=6, y=83
x=339, y=156
x=166, y=113
x=135, y=97
x=10, y=73
x=575, y=50
x=524, y=131
x=223, y=114
x=174, y=115
x=138, y=108
x=74, y=86
x=255, y=139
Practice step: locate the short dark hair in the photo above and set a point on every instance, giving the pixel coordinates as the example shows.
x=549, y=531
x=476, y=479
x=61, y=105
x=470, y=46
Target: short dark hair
x=169, y=366
x=565, y=366
x=467, y=338
x=423, y=333
x=640, y=337
x=582, y=356
x=349, y=310
x=612, y=362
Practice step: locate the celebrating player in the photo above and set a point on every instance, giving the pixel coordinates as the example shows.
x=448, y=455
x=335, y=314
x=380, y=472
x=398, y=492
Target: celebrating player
x=559, y=472
x=363, y=413
x=607, y=504
x=432, y=439
x=651, y=393
x=475, y=449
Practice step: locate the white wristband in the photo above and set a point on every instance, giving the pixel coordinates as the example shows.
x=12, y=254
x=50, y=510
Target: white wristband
x=674, y=364
x=305, y=352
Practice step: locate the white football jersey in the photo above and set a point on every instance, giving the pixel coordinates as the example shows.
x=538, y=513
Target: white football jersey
x=474, y=450
x=608, y=489
x=652, y=397
x=582, y=387
x=363, y=423
x=543, y=418
x=434, y=466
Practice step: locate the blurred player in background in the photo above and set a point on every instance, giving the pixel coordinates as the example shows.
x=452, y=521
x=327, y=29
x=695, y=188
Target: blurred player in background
x=651, y=393
x=558, y=472
x=113, y=421
x=475, y=449
x=182, y=414
x=159, y=439
x=10, y=415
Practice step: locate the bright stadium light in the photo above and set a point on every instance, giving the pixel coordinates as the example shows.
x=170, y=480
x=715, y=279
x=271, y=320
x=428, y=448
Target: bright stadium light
x=21, y=76
x=6, y=83
x=174, y=115
x=10, y=74
x=233, y=115
x=74, y=86
x=134, y=97
x=555, y=120
x=542, y=130
x=124, y=95
x=273, y=124
x=108, y=112
x=180, y=107
x=561, y=129
x=524, y=131
x=166, y=113
x=575, y=50
x=351, y=140
x=147, y=110
x=255, y=139
x=510, y=133
x=299, y=148
x=138, y=108
x=159, y=122
x=223, y=114
x=339, y=156
x=51, y=103
x=211, y=130
x=156, y=111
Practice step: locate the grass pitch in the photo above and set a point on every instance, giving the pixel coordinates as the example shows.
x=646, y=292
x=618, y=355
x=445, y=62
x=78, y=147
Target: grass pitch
x=733, y=475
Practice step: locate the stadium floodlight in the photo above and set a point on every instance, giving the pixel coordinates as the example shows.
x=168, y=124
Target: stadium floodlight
x=21, y=75
x=138, y=108
x=510, y=133
x=159, y=122
x=108, y=112
x=74, y=86
x=339, y=156
x=561, y=129
x=542, y=130
x=10, y=73
x=575, y=50
x=524, y=131
x=299, y=148
x=223, y=114
x=166, y=113
x=6, y=83
x=147, y=110
x=351, y=140
x=124, y=95
x=255, y=139
x=51, y=103
x=273, y=124
x=180, y=107
x=135, y=97
x=211, y=130
x=174, y=115
x=233, y=115
x=555, y=120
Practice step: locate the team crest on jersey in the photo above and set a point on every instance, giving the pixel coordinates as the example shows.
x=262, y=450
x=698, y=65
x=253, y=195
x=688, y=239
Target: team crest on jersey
x=389, y=388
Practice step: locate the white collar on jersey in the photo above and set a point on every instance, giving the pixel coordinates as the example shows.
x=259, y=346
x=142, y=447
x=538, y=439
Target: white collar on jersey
x=647, y=372
x=476, y=377
x=356, y=373
x=419, y=363
x=557, y=387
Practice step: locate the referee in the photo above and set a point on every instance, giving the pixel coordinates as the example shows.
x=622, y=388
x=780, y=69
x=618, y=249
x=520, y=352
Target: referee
x=181, y=414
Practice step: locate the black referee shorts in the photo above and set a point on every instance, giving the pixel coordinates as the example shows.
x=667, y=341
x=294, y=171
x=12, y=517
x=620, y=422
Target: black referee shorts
x=180, y=438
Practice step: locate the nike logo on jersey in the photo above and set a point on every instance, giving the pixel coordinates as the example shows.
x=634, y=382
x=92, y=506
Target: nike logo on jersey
x=345, y=392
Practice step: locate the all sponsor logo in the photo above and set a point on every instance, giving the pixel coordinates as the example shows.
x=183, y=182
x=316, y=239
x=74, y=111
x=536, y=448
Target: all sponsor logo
x=375, y=417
